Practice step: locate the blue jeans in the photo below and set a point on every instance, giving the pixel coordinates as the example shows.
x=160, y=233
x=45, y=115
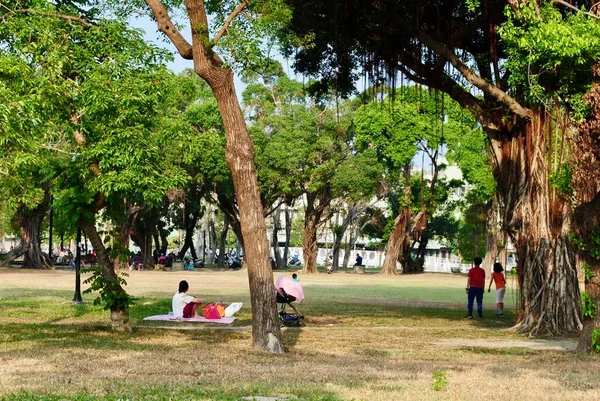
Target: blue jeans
x=475, y=292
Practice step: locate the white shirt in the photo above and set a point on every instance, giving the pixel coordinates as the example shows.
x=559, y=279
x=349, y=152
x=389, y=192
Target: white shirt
x=180, y=300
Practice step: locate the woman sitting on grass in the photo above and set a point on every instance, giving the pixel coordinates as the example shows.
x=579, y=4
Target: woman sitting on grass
x=185, y=305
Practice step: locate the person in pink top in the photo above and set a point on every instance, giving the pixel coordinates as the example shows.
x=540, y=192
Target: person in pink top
x=475, y=288
x=498, y=278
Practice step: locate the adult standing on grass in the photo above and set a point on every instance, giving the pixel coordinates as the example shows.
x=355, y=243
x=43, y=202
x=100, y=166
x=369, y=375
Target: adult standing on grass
x=475, y=288
x=498, y=278
x=185, y=305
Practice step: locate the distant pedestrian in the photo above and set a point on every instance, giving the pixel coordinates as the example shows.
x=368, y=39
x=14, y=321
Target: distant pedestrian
x=358, y=260
x=475, y=288
x=295, y=278
x=500, y=281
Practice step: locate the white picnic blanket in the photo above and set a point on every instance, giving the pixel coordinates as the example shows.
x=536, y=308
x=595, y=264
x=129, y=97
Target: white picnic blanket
x=223, y=320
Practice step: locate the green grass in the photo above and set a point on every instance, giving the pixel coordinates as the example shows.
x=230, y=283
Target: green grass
x=367, y=338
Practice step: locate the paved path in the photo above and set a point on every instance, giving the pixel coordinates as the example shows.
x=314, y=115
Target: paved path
x=533, y=344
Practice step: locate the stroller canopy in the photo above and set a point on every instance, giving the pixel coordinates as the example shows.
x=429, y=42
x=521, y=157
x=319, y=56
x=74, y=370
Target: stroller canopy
x=290, y=287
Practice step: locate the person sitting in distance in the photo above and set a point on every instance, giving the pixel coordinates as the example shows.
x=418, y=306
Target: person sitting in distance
x=183, y=304
x=358, y=260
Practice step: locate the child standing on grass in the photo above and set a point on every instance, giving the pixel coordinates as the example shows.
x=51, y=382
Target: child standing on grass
x=475, y=288
x=498, y=278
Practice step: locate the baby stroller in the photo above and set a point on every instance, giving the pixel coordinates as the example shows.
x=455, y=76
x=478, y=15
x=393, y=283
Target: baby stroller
x=287, y=292
x=188, y=264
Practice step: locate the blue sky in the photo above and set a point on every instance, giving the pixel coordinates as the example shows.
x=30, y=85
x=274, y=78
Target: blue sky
x=179, y=64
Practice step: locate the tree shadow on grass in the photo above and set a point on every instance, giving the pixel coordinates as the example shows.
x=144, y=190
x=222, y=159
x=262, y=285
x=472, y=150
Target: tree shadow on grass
x=399, y=313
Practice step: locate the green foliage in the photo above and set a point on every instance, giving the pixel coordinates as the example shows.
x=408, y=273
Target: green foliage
x=392, y=129
x=588, y=306
x=596, y=340
x=561, y=180
x=587, y=272
x=110, y=293
x=302, y=147
x=577, y=242
x=550, y=53
x=594, y=242
x=440, y=381
x=470, y=239
x=248, y=40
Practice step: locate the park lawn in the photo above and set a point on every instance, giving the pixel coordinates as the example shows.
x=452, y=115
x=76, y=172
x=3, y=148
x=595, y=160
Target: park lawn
x=367, y=338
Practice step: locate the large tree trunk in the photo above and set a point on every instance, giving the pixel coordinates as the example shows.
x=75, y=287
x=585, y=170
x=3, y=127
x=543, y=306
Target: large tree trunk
x=350, y=242
x=163, y=235
x=587, y=219
x=223, y=241
x=313, y=216
x=142, y=236
x=121, y=230
x=266, y=333
x=288, y=236
x=212, y=243
x=398, y=237
x=188, y=243
x=418, y=266
x=310, y=248
x=539, y=225
x=119, y=314
x=30, y=223
x=493, y=236
x=338, y=234
x=275, y=237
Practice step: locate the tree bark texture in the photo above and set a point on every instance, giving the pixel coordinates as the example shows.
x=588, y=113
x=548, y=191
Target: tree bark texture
x=30, y=223
x=119, y=316
x=350, y=241
x=163, y=235
x=240, y=158
x=275, y=237
x=539, y=226
x=188, y=243
x=587, y=219
x=338, y=234
x=122, y=230
x=266, y=333
x=397, y=238
x=223, y=241
x=585, y=156
x=310, y=247
x=288, y=236
x=316, y=203
x=142, y=236
x=493, y=236
x=212, y=243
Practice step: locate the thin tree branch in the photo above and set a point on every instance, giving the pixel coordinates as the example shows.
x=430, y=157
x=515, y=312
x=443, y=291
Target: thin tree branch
x=68, y=18
x=446, y=84
x=473, y=78
x=228, y=21
x=166, y=26
x=572, y=7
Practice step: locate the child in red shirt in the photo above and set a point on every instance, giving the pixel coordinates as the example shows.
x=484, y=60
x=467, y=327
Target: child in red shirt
x=475, y=288
x=498, y=278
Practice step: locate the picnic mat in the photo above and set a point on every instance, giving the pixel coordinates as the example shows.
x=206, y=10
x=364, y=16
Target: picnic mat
x=223, y=320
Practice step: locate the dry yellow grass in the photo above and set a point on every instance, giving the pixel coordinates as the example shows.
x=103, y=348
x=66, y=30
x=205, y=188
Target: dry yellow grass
x=343, y=354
